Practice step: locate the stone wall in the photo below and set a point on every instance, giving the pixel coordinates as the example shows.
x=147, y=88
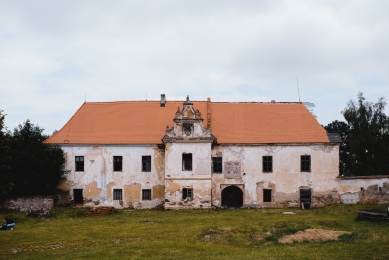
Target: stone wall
x=364, y=189
x=24, y=204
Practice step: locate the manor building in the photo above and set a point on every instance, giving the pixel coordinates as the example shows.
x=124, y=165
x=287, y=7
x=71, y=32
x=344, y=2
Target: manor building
x=200, y=154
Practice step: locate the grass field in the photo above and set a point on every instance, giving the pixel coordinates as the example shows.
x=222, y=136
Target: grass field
x=193, y=234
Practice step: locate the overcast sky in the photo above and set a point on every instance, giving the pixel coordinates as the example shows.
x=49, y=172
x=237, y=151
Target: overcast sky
x=53, y=53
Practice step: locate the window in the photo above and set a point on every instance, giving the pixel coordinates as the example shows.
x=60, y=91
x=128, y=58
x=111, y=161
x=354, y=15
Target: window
x=146, y=163
x=187, y=194
x=117, y=194
x=266, y=195
x=117, y=163
x=146, y=194
x=79, y=163
x=267, y=163
x=217, y=163
x=186, y=161
x=305, y=163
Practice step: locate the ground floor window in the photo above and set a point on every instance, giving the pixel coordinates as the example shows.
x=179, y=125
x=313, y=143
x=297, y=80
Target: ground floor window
x=187, y=194
x=267, y=195
x=146, y=194
x=117, y=194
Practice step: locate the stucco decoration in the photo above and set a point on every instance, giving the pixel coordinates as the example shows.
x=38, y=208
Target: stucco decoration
x=232, y=170
x=188, y=126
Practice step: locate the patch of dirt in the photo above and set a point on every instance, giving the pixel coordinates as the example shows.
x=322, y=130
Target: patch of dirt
x=99, y=211
x=313, y=235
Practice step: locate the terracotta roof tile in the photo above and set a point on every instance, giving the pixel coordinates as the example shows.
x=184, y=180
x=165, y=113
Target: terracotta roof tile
x=144, y=122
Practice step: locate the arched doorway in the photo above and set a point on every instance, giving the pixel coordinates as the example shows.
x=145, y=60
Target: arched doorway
x=232, y=197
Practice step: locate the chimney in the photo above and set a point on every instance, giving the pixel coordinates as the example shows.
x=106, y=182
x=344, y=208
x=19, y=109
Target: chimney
x=163, y=100
x=209, y=112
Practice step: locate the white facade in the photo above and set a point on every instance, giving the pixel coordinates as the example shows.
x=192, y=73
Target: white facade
x=98, y=179
x=191, y=170
x=167, y=178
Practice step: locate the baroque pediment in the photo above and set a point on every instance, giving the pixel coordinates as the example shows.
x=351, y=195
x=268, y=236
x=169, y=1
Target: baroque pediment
x=188, y=126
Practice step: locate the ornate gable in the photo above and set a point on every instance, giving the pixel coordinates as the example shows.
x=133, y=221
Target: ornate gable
x=188, y=126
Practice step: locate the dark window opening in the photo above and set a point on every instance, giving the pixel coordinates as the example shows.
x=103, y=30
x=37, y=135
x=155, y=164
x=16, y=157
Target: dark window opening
x=267, y=163
x=217, y=164
x=77, y=196
x=187, y=194
x=79, y=163
x=146, y=194
x=186, y=161
x=117, y=163
x=305, y=163
x=146, y=163
x=117, y=194
x=267, y=195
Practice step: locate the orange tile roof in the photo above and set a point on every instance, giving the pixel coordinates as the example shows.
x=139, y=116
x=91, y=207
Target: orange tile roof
x=144, y=122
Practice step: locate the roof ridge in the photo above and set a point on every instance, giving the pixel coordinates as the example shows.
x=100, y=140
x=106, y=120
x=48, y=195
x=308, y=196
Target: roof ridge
x=133, y=101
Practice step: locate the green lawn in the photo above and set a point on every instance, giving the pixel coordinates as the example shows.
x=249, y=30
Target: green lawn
x=193, y=234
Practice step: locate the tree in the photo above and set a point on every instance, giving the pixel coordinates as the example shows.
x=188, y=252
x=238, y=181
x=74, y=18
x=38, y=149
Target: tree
x=6, y=181
x=345, y=154
x=365, y=146
x=37, y=167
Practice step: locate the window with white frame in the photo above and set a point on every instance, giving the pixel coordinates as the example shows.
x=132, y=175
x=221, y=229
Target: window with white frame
x=146, y=194
x=117, y=194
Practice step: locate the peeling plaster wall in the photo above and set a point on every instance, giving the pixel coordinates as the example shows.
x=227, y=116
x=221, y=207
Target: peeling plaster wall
x=98, y=178
x=364, y=189
x=286, y=179
x=167, y=179
x=199, y=179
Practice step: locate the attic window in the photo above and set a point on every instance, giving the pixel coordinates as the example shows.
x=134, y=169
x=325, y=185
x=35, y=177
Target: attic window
x=186, y=161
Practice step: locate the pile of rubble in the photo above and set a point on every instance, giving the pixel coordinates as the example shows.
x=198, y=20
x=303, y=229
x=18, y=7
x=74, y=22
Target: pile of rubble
x=99, y=211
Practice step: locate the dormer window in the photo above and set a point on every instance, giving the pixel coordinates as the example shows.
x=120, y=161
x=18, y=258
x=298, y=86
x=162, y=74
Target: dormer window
x=187, y=129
